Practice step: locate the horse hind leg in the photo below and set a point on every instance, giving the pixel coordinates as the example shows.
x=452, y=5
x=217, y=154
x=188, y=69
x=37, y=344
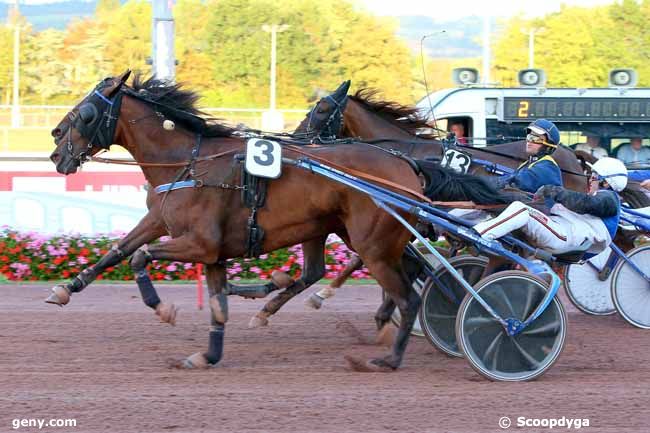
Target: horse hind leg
x=316, y=300
x=314, y=270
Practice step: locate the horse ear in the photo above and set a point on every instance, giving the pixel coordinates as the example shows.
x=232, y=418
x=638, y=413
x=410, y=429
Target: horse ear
x=342, y=90
x=124, y=76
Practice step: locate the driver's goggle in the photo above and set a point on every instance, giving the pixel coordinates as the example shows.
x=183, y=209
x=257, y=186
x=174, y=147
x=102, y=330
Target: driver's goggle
x=532, y=138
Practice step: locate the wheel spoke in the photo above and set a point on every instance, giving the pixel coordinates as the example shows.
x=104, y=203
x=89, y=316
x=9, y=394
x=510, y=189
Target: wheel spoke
x=491, y=355
x=548, y=330
x=479, y=321
x=532, y=362
x=500, y=293
x=528, y=306
x=475, y=274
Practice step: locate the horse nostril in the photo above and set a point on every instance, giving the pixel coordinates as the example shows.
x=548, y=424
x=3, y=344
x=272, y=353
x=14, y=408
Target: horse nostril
x=56, y=133
x=55, y=157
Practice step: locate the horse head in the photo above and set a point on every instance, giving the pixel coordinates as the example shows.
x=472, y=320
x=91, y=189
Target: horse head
x=326, y=118
x=89, y=127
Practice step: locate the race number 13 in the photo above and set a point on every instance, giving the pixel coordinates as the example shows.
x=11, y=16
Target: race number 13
x=263, y=158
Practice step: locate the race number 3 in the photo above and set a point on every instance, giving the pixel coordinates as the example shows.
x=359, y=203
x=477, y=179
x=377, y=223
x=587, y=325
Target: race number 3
x=457, y=161
x=263, y=158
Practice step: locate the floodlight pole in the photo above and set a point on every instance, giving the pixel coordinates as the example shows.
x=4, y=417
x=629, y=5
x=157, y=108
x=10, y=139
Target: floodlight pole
x=15, y=107
x=531, y=43
x=274, y=29
x=486, y=49
x=162, y=41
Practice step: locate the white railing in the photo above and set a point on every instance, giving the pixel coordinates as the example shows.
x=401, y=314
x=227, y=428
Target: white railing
x=37, y=120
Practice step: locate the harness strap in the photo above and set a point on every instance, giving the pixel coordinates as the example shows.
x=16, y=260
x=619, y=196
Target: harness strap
x=361, y=174
x=175, y=185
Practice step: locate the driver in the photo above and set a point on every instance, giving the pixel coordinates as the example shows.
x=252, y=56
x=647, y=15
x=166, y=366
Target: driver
x=576, y=220
x=542, y=138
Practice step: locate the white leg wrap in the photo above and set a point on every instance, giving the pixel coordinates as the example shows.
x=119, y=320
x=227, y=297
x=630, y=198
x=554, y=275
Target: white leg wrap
x=327, y=292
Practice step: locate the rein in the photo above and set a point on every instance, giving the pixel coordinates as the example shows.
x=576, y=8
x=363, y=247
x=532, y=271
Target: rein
x=464, y=146
x=162, y=164
x=360, y=174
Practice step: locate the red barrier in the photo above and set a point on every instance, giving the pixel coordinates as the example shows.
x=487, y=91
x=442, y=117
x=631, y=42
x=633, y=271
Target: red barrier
x=199, y=286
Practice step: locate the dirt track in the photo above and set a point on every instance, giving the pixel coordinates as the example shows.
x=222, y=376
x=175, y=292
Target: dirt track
x=103, y=361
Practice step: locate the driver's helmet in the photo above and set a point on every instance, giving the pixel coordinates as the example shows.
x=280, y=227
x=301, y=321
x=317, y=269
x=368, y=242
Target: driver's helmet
x=612, y=171
x=540, y=128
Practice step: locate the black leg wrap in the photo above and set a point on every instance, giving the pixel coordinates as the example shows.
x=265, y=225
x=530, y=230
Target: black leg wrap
x=82, y=280
x=215, y=346
x=148, y=292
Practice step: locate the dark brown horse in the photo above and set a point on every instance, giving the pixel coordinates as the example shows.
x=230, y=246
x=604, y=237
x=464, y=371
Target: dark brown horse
x=366, y=117
x=208, y=221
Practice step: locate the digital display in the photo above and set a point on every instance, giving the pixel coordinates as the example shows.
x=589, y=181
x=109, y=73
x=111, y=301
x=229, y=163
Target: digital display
x=577, y=109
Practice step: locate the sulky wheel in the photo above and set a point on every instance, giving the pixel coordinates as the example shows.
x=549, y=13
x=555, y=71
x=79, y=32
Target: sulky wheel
x=487, y=346
x=586, y=287
x=440, y=304
x=630, y=291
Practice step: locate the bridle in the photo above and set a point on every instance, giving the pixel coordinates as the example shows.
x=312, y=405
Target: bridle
x=95, y=124
x=334, y=122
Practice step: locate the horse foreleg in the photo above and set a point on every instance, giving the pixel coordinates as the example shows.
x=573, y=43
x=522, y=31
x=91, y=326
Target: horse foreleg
x=395, y=282
x=314, y=270
x=316, y=299
x=147, y=230
x=215, y=275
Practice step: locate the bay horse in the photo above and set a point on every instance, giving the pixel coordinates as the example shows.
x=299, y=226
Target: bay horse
x=207, y=221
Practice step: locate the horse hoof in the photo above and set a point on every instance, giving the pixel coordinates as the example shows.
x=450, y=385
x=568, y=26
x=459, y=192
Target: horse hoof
x=60, y=296
x=327, y=292
x=258, y=320
x=167, y=313
x=386, y=335
x=314, y=301
x=196, y=361
x=364, y=366
x=281, y=279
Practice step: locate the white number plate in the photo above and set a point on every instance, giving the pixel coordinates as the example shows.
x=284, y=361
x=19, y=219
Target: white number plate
x=263, y=158
x=457, y=160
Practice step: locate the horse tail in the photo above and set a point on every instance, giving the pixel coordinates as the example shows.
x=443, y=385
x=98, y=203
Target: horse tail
x=447, y=185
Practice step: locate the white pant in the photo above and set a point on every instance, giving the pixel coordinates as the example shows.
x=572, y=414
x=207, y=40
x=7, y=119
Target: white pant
x=551, y=233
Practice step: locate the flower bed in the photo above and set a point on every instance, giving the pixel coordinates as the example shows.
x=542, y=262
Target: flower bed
x=35, y=257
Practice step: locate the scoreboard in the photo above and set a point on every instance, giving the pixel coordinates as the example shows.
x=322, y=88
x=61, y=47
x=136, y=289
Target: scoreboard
x=575, y=109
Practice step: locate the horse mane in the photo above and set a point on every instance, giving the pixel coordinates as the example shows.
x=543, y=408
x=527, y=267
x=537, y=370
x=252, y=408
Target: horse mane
x=447, y=185
x=405, y=117
x=179, y=104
